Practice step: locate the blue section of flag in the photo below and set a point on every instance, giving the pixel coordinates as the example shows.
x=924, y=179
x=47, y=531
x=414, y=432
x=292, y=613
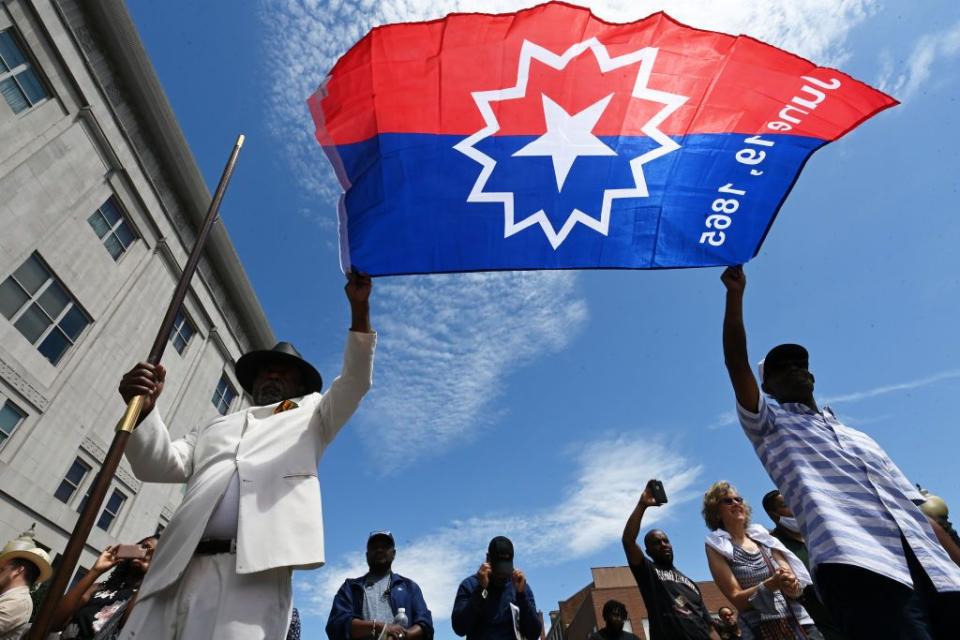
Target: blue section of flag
x=429, y=225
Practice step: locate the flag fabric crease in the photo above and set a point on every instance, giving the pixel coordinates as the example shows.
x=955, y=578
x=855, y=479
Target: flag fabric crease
x=550, y=139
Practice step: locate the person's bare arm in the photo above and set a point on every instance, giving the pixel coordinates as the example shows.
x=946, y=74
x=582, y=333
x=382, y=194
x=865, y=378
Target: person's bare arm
x=735, y=341
x=632, y=528
x=948, y=543
x=83, y=590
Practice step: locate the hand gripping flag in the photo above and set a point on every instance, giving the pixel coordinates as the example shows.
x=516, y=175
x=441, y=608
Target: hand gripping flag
x=549, y=139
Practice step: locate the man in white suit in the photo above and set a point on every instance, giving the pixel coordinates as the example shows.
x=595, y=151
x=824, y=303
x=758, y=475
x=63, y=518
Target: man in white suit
x=251, y=509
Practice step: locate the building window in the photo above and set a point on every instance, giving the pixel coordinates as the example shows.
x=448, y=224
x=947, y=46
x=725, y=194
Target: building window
x=111, y=227
x=19, y=83
x=112, y=510
x=182, y=332
x=224, y=396
x=10, y=418
x=33, y=299
x=74, y=478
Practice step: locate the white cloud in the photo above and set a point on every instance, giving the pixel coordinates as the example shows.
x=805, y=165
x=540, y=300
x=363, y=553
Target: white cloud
x=928, y=50
x=450, y=340
x=610, y=473
x=445, y=345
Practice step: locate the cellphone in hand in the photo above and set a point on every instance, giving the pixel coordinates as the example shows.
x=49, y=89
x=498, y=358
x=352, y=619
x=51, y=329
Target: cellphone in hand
x=131, y=552
x=657, y=491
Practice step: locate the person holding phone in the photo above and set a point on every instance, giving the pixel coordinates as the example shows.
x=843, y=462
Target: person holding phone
x=673, y=600
x=93, y=609
x=496, y=603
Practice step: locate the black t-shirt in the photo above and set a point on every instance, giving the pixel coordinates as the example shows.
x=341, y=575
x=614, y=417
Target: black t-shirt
x=674, y=604
x=600, y=635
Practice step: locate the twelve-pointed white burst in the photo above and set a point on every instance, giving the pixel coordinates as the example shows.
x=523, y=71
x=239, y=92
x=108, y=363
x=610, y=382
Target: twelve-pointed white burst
x=569, y=136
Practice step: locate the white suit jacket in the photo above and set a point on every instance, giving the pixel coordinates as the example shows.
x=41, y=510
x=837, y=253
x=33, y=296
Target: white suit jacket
x=276, y=455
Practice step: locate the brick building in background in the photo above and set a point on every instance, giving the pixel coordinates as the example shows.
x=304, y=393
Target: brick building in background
x=581, y=614
x=100, y=201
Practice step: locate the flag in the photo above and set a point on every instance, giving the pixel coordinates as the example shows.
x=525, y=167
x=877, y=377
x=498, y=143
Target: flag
x=550, y=139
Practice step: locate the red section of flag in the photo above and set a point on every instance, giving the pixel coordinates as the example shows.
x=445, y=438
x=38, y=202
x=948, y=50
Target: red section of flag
x=419, y=77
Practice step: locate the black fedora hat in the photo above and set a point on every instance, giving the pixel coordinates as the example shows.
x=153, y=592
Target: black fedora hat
x=250, y=364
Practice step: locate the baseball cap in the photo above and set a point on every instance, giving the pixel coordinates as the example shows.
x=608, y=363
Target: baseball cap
x=385, y=535
x=500, y=555
x=780, y=355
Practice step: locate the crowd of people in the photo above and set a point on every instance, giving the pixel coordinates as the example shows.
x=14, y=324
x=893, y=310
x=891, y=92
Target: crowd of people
x=849, y=540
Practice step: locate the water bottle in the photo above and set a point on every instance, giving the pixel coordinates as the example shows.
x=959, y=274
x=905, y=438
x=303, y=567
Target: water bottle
x=401, y=618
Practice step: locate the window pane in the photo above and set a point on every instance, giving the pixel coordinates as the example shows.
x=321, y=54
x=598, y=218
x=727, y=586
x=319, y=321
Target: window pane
x=54, y=300
x=77, y=471
x=31, y=275
x=13, y=95
x=125, y=234
x=73, y=323
x=10, y=417
x=3, y=66
x=179, y=343
x=30, y=82
x=12, y=298
x=110, y=212
x=64, y=491
x=113, y=246
x=106, y=519
x=54, y=346
x=32, y=323
x=99, y=224
x=115, y=502
x=10, y=50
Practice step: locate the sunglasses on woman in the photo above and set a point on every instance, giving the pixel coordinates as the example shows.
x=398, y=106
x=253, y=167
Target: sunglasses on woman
x=732, y=500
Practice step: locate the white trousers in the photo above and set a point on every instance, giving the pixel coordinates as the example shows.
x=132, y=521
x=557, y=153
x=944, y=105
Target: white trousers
x=212, y=602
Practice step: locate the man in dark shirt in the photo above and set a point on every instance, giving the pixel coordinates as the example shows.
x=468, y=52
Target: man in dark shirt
x=728, y=627
x=614, y=615
x=673, y=600
x=787, y=531
x=496, y=603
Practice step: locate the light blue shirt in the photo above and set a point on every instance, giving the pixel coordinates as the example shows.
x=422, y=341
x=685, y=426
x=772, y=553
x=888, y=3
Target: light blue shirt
x=850, y=499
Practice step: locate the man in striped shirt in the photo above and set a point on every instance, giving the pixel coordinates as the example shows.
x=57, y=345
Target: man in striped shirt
x=876, y=559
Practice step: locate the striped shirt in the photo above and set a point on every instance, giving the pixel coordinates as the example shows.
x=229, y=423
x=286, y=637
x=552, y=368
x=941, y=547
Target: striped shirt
x=850, y=499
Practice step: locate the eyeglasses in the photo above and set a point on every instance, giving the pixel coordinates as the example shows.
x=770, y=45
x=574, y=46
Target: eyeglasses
x=732, y=500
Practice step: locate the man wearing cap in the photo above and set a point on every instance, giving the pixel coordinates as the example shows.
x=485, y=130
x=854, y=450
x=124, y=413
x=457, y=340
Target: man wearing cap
x=22, y=566
x=871, y=548
x=367, y=607
x=251, y=508
x=496, y=603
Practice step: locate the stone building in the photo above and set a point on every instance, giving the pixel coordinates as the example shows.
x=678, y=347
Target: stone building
x=100, y=199
x=582, y=613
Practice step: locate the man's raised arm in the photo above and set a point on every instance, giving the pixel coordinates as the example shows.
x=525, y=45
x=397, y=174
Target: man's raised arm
x=632, y=529
x=356, y=377
x=735, y=341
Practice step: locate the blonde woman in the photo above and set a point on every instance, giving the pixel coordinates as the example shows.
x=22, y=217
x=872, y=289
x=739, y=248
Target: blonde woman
x=754, y=570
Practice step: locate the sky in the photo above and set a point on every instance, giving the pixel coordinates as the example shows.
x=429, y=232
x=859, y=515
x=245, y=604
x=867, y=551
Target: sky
x=536, y=405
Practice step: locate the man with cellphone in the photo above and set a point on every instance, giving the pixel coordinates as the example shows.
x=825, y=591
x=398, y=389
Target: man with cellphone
x=496, y=603
x=674, y=602
x=369, y=606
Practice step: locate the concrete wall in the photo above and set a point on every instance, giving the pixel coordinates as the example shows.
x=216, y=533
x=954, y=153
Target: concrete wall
x=59, y=161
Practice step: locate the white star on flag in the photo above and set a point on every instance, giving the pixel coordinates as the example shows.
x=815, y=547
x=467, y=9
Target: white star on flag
x=568, y=137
